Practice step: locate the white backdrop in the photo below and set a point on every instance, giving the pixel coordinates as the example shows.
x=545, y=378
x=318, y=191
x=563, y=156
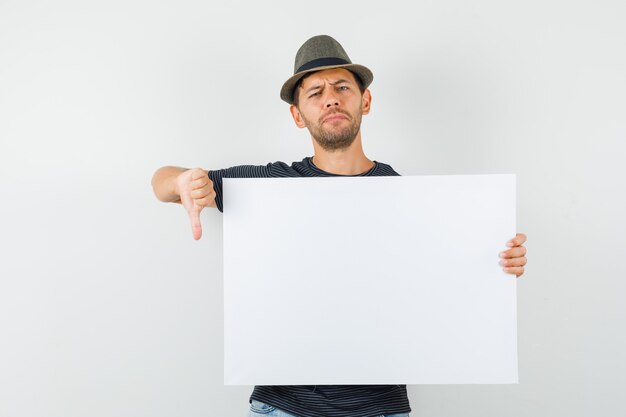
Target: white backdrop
x=108, y=307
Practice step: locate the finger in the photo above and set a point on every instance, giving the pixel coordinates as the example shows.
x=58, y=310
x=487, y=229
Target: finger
x=513, y=253
x=186, y=200
x=199, y=183
x=196, y=227
x=514, y=262
x=206, y=201
x=516, y=270
x=198, y=173
x=201, y=193
x=518, y=240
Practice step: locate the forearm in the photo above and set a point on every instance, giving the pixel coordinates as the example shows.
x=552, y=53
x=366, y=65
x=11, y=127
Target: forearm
x=164, y=183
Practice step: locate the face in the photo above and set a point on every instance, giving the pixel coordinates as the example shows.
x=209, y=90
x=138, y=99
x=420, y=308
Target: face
x=330, y=105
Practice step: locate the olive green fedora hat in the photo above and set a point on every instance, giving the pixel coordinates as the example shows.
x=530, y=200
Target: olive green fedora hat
x=319, y=53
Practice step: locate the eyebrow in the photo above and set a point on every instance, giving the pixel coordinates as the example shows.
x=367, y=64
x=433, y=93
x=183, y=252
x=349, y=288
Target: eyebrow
x=316, y=86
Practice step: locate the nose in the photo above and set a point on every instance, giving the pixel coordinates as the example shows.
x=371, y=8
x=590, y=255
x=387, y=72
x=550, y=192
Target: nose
x=330, y=98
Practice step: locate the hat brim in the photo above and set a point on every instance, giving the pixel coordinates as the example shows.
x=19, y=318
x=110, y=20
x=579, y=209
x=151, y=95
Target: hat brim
x=286, y=93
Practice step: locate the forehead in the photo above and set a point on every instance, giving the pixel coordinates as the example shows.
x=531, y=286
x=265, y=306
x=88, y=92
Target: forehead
x=328, y=75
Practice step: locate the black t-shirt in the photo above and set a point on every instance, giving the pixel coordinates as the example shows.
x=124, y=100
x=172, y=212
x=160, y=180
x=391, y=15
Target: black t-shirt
x=318, y=400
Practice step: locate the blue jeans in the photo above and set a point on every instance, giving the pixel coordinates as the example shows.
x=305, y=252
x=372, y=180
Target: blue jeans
x=259, y=409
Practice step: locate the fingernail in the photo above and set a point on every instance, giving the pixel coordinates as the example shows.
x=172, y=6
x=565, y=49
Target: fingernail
x=510, y=244
x=502, y=255
x=502, y=262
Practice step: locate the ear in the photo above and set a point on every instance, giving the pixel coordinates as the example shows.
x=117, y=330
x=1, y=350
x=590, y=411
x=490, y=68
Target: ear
x=297, y=117
x=366, y=101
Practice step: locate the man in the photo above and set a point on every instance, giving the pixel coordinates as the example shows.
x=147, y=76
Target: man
x=328, y=95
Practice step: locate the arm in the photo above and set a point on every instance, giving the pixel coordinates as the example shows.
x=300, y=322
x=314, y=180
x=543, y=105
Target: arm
x=164, y=184
x=190, y=187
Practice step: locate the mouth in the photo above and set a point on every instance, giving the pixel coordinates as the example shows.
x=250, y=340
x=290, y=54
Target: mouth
x=334, y=117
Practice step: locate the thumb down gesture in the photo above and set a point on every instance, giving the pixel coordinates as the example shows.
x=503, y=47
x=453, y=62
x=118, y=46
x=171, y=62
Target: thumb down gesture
x=196, y=192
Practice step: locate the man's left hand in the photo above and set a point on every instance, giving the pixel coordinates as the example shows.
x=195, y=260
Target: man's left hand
x=514, y=259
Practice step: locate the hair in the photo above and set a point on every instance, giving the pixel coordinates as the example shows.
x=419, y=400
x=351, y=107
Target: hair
x=296, y=89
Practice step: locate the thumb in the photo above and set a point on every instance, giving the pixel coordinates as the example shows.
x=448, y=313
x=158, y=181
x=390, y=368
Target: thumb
x=196, y=227
x=193, y=210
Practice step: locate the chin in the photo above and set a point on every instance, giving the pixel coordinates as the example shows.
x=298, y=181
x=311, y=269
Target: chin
x=332, y=146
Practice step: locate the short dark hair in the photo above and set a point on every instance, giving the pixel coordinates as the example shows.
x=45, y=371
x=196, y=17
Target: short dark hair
x=296, y=89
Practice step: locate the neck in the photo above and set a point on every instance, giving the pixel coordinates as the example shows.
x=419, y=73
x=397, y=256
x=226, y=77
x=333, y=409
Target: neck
x=348, y=161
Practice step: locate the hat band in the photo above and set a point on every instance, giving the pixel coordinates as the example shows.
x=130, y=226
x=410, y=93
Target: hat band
x=321, y=62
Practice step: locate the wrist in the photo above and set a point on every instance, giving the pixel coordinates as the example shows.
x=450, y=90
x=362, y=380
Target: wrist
x=174, y=185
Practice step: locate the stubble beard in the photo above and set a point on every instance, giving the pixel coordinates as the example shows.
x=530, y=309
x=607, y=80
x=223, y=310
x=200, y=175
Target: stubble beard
x=335, y=139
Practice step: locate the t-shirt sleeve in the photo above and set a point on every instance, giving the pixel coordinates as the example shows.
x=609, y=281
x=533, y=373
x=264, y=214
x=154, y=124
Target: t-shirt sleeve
x=276, y=169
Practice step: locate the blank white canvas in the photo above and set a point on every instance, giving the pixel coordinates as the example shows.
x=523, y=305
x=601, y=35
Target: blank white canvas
x=369, y=280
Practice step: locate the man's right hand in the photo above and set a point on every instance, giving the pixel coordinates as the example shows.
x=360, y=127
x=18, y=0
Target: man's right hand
x=196, y=192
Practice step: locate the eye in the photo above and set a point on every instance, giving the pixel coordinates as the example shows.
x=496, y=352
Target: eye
x=314, y=94
x=344, y=87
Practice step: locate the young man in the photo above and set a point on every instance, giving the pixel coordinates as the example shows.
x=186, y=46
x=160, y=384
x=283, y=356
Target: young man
x=328, y=95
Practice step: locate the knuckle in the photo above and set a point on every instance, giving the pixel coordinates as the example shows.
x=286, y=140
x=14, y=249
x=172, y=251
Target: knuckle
x=205, y=201
x=199, y=194
x=197, y=173
x=208, y=190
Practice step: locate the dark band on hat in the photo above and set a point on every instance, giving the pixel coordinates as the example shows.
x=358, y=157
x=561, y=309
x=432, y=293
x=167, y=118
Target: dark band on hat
x=322, y=62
